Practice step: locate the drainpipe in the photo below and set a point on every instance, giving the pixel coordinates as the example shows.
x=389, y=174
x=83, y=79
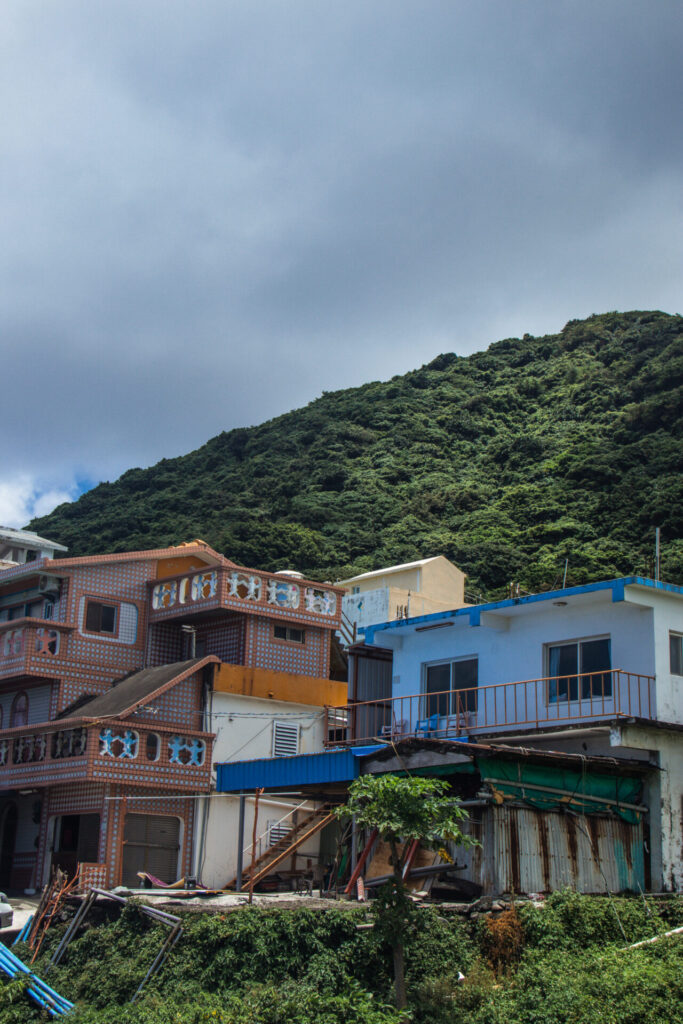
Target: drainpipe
x=240, y=844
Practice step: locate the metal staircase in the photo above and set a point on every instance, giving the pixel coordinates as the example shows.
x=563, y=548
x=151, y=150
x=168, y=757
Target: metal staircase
x=283, y=848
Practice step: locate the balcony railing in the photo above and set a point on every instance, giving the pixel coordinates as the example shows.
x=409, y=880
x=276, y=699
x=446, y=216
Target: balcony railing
x=248, y=591
x=120, y=751
x=32, y=647
x=529, y=704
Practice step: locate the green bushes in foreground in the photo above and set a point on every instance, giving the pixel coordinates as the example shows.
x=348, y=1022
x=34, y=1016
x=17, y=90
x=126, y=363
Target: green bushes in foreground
x=316, y=967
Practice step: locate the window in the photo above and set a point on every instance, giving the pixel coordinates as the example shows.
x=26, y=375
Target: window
x=355, y=590
x=285, y=739
x=451, y=687
x=297, y=636
x=676, y=654
x=19, y=713
x=152, y=747
x=100, y=618
x=585, y=662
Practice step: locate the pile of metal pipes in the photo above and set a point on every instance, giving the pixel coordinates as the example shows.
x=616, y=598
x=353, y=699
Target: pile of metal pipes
x=39, y=991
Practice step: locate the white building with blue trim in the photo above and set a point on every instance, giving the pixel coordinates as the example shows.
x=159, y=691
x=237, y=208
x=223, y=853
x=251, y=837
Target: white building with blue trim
x=595, y=669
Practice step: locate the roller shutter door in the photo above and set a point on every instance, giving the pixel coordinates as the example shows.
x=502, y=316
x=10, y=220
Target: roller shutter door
x=151, y=842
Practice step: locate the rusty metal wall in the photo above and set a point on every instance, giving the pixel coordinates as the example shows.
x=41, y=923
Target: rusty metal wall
x=372, y=677
x=525, y=850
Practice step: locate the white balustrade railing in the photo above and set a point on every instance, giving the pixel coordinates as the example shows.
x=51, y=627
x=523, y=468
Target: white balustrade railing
x=248, y=587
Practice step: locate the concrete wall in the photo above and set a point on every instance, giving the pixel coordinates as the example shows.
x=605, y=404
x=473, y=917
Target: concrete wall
x=514, y=648
x=664, y=798
x=432, y=586
x=248, y=736
x=668, y=618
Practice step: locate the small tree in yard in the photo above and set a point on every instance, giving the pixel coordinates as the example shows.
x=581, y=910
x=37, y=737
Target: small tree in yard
x=403, y=809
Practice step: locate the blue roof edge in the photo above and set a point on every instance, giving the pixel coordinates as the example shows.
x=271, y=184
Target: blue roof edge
x=617, y=586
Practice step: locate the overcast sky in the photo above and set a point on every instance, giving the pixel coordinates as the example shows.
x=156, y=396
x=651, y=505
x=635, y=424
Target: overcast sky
x=213, y=211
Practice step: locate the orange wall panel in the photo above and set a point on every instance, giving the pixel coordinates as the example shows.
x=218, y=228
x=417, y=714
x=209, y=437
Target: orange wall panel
x=270, y=685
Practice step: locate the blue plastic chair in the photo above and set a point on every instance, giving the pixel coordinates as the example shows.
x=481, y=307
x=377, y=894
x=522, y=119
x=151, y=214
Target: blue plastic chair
x=427, y=726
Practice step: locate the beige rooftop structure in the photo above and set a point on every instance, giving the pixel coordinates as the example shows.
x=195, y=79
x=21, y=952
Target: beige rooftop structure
x=400, y=591
x=20, y=546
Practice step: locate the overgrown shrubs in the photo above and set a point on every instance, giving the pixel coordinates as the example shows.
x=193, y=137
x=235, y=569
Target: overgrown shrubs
x=562, y=963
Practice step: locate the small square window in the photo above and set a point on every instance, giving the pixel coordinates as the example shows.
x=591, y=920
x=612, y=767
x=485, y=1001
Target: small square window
x=297, y=636
x=100, y=618
x=676, y=654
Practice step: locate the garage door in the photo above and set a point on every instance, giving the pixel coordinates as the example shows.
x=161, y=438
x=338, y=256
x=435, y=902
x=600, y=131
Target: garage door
x=151, y=842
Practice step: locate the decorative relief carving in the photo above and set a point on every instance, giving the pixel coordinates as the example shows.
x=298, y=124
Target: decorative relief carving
x=120, y=745
x=284, y=595
x=69, y=743
x=186, y=751
x=322, y=601
x=204, y=584
x=165, y=594
x=47, y=641
x=26, y=749
x=248, y=588
x=13, y=643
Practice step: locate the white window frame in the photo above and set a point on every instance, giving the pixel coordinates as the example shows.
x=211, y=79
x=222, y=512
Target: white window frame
x=675, y=635
x=450, y=662
x=574, y=642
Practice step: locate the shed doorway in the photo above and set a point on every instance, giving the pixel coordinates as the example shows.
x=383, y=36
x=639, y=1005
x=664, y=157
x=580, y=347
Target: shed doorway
x=151, y=843
x=77, y=841
x=7, y=844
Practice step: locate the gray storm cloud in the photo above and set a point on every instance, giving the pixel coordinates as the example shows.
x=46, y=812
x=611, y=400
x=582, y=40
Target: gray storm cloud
x=211, y=213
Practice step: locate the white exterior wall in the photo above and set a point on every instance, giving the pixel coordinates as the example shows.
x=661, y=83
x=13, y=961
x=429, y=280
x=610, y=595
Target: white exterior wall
x=666, y=790
x=668, y=618
x=246, y=739
x=368, y=608
x=514, y=648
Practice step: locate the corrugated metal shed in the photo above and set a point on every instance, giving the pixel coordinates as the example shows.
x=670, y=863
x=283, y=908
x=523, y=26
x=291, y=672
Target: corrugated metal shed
x=526, y=850
x=273, y=773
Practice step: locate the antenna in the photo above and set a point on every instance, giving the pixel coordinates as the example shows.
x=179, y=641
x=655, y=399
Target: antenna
x=657, y=538
x=564, y=579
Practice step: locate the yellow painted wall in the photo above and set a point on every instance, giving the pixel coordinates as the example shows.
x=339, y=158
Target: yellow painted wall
x=442, y=581
x=261, y=682
x=419, y=603
x=438, y=582
x=176, y=566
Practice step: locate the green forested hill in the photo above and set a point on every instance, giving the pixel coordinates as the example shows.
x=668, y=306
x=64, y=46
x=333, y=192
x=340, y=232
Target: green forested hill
x=507, y=461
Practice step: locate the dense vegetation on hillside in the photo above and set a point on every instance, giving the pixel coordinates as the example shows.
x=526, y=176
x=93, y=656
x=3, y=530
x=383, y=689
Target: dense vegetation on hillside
x=508, y=462
x=562, y=963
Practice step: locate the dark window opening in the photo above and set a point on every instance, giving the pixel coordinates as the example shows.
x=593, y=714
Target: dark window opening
x=152, y=746
x=297, y=636
x=588, y=663
x=19, y=712
x=100, y=618
x=451, y=688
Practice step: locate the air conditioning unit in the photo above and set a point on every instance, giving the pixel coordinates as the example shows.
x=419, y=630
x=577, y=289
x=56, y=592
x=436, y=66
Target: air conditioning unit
x=49, y=585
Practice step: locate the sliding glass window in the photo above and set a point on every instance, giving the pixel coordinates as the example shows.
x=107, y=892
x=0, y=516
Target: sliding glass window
x=451, y=687
x=579, y=670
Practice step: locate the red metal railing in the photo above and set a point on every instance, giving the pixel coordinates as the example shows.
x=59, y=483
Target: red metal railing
x=530, y=703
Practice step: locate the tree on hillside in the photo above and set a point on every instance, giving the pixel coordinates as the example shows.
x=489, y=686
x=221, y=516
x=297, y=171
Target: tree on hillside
x=403, y=809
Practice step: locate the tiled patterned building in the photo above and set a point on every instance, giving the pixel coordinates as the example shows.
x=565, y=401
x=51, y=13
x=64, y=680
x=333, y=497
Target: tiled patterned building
x=108, y=667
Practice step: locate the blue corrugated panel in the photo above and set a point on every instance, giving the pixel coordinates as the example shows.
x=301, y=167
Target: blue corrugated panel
x=291, y=772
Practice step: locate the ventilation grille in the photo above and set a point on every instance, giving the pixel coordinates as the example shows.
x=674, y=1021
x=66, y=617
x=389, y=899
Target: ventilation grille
x=278, y=830
x=285, y=739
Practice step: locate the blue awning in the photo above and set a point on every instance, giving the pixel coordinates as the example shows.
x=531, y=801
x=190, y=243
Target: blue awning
x=273, y=773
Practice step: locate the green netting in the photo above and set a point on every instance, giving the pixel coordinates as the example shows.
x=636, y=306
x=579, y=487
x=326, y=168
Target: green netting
x=552, y=788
